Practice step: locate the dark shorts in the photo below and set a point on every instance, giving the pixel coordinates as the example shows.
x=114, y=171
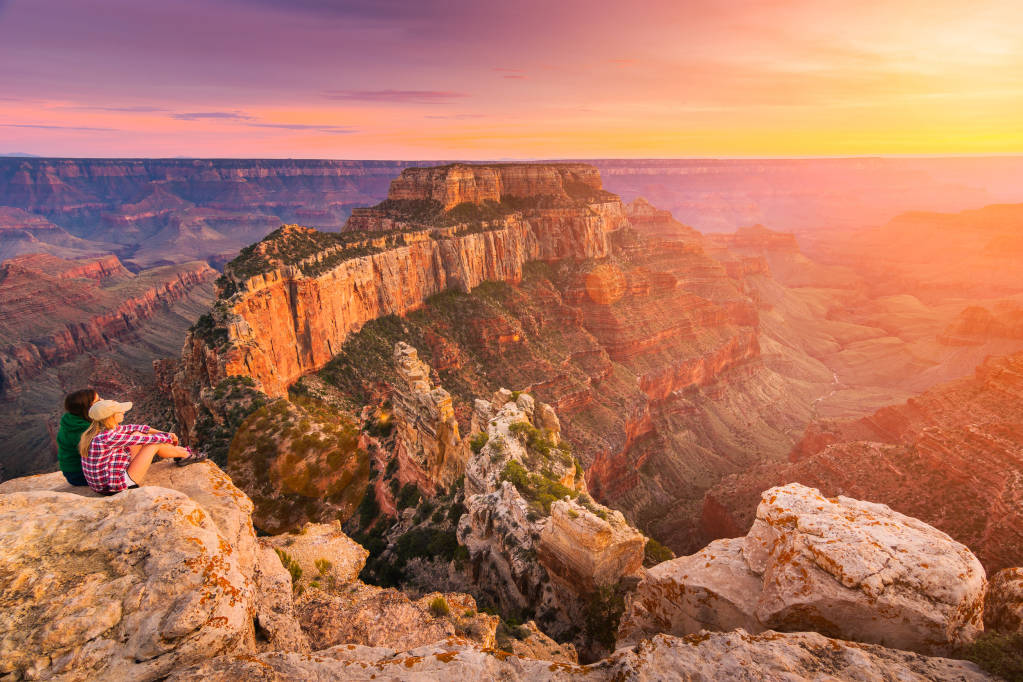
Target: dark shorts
x=75, y=478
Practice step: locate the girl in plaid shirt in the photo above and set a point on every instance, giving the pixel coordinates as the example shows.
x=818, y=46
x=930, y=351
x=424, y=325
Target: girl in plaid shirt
x=116, y=456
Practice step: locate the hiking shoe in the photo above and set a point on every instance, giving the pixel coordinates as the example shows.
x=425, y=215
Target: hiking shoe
x=191, y=459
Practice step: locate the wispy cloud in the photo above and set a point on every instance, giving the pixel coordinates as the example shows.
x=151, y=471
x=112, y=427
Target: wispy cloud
x=50, y=127
x=456, y=117
x=212, y=115
x=397, y=96
x=130, y=110
x=332, y=130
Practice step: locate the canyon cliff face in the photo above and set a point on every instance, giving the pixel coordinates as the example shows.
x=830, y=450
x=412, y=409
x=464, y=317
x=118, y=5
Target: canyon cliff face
x=951, y=457
x=462, y=183
x=646, y=346
x=53, y=310
x=284, y=323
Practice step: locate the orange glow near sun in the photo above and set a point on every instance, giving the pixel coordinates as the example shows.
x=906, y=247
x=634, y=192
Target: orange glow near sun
x=662, y=79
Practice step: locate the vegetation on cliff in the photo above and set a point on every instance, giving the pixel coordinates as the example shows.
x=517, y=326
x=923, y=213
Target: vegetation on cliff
x=299, y=461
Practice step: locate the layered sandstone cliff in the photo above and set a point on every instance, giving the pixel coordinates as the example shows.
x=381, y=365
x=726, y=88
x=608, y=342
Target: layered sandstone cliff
x=460, y=183
x=427, y=431
x=293, y=317
x=53, y=310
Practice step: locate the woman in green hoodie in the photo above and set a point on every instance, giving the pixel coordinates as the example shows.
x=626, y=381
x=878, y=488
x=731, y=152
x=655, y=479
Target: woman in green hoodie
x=72, y=425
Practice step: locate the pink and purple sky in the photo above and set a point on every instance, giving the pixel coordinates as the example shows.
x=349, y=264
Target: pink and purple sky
x=436, y=79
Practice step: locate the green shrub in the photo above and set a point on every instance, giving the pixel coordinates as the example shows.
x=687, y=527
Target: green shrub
x=426, y=543
x=604, y=608
x=540, y=491
x=478, y=441
x=323, y=566
x=293, y=568
x=654, y=553
x=408, y=497
x=455, y=512
x=369, y=508
x=439, y=607
x=998, y=654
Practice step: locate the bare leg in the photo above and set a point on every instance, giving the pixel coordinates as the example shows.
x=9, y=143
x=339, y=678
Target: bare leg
x=142, y=458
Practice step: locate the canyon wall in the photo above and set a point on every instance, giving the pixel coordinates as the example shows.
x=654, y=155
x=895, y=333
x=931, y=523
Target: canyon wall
x=459, y=183
x=283, y=323
x=53, y=310
x=951, y=457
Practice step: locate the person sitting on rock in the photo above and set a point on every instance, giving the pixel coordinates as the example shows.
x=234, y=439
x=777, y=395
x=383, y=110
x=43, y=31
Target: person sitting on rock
x=116, y=456
x=73, y=424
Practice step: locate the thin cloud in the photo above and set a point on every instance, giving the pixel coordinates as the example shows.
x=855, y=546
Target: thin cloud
x=457, y=117
x=211, y=115
x=49, y=127
x=515, y=76
x=396, y=96
x=130, y=110
x=332, y=130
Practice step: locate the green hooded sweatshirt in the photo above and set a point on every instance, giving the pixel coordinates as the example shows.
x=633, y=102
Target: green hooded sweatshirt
x=71, y=429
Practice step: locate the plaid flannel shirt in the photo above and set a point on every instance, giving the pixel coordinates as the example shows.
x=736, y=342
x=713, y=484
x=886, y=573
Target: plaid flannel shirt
x=109, y=456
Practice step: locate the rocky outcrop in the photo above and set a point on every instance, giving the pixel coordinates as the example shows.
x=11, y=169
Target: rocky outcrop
x=366, y=615
x=156, y=584
x=705, y=658
x=88, y=591
x=951, y=457
x=427, y=431
x=846, y=568
x=323, y=552
x=284, y=323
x=1003, y=604
x=537, y=542
x=459, y=183
x=53, y=310
x=168, y=575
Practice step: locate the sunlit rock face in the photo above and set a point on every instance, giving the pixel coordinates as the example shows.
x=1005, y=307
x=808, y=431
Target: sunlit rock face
x=284, y=321
x=459, y=183
x=850, y=569
x=87, y=593
x=427, y=431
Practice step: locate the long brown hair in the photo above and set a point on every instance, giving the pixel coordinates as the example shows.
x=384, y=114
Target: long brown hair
x=94, y=430
x=79, y=402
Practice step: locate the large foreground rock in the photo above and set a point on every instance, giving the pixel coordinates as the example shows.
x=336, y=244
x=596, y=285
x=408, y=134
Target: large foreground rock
x=132, y=586
x=1003, y=604
x=842, y=567
x=704, y=658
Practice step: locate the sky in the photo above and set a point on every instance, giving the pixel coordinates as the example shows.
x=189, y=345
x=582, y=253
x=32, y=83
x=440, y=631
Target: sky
x=476, y=79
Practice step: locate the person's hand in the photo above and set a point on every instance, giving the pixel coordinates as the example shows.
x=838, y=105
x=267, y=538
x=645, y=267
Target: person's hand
x=174, y=438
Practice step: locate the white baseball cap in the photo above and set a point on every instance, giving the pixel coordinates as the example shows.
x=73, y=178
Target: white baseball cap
x=101, y=409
